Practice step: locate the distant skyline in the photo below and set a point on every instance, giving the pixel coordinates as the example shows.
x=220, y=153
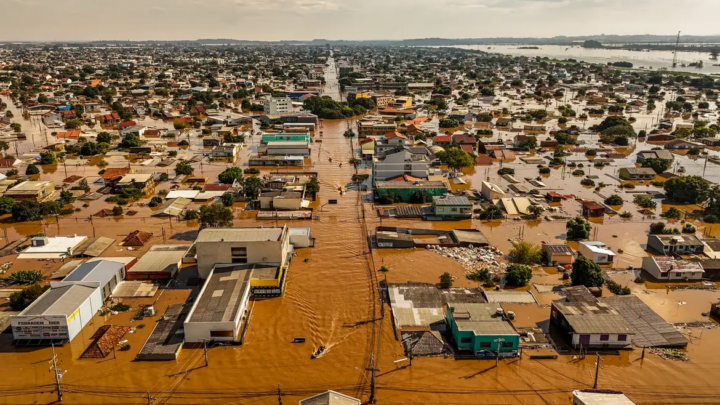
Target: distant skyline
x=273, y=20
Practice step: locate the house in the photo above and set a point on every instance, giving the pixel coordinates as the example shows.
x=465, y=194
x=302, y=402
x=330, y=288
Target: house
x=212, y=142
x=503, y=122
x=406, y=189
x=330, y=398
x=137, y=238
x=268, y=246
x=399, y=163
x=590, y=322
x=114, y=175
x=654, y=154
x=632, y=173
x=521, y=140
x=9, y=163
x=491, y=191
x=443, y=141
x=603, y=397
x=160, y=263
x=226, y=152
x=137, y=130
x=452, y=207
x=669, y=268
x=679, y=244
x=367, y=128
x=535, y=129
x=482, y=329
x=72, y=135
x=141, y=181
x=32, y=190
x=461, y=116
x=682, y=144
x=382, y=101
x=715, y=142
x=591, y=209
x=286, y=148
x=282, y=200
x=596, y=251
x=560, y=254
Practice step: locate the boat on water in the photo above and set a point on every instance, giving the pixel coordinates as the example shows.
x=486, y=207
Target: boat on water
x=320, y=350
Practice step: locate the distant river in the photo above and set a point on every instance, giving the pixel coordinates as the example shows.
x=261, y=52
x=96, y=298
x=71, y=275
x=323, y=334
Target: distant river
x=640, y=59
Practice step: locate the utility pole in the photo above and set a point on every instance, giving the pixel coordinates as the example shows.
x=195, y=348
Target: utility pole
x=707, y=157
x=497, y=358
x=372, y=378
x=205, y=350
x=279, y=395
x=58, y=375
x=597, y=369
x=149, y=398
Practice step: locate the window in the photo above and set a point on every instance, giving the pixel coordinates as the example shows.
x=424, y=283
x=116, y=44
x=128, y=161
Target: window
x=507, y=344
x=453, y=209
x=604, y=338
x=466, y=340
x=485, y=344
x=238, y=251
x=622, y=338
x=221, y=333
x=239, y=260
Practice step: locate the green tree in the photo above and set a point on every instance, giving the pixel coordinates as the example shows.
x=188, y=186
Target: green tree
x=104, y=137
x=215, y=216
x=446, y=280
x=456, y=159
x=312, y=186
x=586, y=272
x=578, y=228
x=644, y=201
x=687, y=190
x=658, y=165
x=91, y=149
x=492, y=212
x=117, y=210
x=672, y=213
x=449, y=123
x=32, y=169
x=614, y=200
x=47, y=158
x=26, y=210
x=228, y=199
x=130, y=141
x=23, y=298
x=517, y=275
x=252, y=187
x=535, y=211
x=6, y=205
x=525, y=253
x=230, y=175
x=184, y=168
x=529, y=143
x=66, y=197
x=73, y=124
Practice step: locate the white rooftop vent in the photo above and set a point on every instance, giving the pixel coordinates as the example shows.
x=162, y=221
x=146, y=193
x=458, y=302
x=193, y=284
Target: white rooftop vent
x=40, y=241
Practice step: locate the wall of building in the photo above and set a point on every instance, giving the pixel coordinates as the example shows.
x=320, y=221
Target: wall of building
x=211, y=253
x=595, y=341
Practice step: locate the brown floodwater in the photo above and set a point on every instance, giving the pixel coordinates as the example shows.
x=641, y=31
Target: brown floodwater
x=332, y=300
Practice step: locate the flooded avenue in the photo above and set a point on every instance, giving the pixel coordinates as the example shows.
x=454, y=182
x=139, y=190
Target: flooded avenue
x=333, y=299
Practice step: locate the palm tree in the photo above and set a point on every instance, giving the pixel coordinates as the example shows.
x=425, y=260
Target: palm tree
x=252, y=186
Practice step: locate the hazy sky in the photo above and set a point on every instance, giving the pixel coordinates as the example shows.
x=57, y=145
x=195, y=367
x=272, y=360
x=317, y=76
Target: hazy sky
x=62, y=20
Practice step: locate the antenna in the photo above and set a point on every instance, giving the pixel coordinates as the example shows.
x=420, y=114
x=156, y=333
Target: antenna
x=677, y=44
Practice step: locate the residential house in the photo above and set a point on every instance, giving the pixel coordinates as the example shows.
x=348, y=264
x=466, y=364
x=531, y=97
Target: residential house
x=113, y=175
x=141, y=181
x=229, y=151
x=370, y=128
x=560, y=254
x=406, y=189
x=521, y=140
x=683, y=144
x=32, y=190
x=280, y=200
x=399, y=163
x=654, y=154
x=597, y=252
x=669, y=268
x=491, y=191
x=678, y=244
x=590, y=322
x=715, y=142
x=331, y=398
x=633, y=173
x=591, y=209
x=452, y=207
x=482, y=329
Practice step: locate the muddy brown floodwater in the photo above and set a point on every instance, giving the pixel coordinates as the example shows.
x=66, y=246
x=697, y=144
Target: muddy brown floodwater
x=332, y=300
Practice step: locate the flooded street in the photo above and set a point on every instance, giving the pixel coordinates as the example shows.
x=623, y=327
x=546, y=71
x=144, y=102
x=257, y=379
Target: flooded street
x=332, y=299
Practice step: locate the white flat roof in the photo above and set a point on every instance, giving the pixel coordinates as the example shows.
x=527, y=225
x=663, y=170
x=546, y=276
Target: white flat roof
x=191, y=194
x=598, y=247
x=596, y=398
x=57, y=244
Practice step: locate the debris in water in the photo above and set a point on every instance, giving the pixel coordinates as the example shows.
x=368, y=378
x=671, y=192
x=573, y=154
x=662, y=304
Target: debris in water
x=670, y=354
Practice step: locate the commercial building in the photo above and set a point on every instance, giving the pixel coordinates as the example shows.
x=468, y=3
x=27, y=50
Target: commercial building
x=330, y=398
x=286, y=148
x=669, y=244
x=56, y=247
x=268, y=246
x=274, y=106
x=590, y=322
x=482, y=329
x=669, y=268
x=452, y=207
x=31, y=190
x=220, y=307
x=370, y=128
x=60, y=313
x=276, y=161
x=597, y=252
x=284, y=136
x=406, y=189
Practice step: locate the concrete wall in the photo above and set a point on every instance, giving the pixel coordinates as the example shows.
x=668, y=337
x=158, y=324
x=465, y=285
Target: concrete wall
x=211, y=253
x=86, y=311
x=195, y=332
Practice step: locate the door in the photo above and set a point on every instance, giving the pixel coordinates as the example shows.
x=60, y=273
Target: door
x=585, y=340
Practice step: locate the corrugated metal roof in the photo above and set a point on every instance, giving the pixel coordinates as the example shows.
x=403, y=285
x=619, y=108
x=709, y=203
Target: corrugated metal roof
x=102, y=271
x=172, y=208
x=63, y=300
x=160, y=258
x=520, y=297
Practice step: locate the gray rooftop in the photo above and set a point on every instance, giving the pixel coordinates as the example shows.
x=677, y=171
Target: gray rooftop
x=222, y=295
x=480, y=319
x=101, y=271
x=255, y=234
x=649, y=328
x=451, y=200
x=160, y=258
x=558, y=249
x=330, y=398
x=410, y=184
x=63, y=300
